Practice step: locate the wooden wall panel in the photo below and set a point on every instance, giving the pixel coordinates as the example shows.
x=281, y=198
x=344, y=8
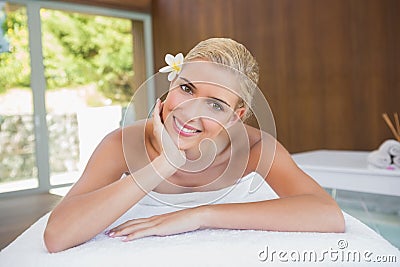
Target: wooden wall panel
x=328, y=68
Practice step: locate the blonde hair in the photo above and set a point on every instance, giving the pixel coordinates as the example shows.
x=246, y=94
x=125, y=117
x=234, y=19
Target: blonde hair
x=234, y=55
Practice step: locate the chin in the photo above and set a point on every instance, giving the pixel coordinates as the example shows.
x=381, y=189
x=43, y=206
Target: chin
x=183, y=144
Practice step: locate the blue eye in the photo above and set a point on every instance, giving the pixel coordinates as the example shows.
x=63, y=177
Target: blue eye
x=186, y=89
x=217, y=106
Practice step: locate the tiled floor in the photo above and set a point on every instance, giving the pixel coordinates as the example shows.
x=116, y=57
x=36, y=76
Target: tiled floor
x=381, y=213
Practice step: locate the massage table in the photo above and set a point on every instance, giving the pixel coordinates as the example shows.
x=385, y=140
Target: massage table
x=358, y=246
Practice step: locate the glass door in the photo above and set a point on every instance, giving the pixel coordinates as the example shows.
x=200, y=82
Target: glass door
x=88, y=62
x=18, y=168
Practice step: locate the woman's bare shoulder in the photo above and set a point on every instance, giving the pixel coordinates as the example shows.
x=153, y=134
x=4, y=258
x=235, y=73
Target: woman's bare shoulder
x=100, y=170
x=262, y=150
x=133, y=134
x=256, y=135
x=115, y=143
x=135, y=130
x=136, y=127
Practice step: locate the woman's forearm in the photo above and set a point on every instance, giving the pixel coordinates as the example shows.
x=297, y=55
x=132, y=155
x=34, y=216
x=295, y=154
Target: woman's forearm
x=80, y=218
x=304, y=213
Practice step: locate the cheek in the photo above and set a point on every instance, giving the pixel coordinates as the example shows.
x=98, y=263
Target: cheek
x=211, y=127
x=173, y=100
x=169, y=105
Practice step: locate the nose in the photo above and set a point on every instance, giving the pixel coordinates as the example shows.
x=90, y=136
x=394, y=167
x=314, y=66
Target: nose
x=193, y=109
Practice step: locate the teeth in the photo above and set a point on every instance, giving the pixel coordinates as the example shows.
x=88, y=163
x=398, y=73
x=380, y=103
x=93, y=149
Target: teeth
x=183, y=129
x=187, y=130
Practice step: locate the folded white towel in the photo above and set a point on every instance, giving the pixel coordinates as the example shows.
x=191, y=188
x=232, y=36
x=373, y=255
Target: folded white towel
x=379, y=159
x=396, y=161
x=391, y=147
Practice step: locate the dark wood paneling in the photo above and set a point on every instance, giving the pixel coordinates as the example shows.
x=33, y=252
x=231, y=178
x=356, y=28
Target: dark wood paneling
x=328, y=68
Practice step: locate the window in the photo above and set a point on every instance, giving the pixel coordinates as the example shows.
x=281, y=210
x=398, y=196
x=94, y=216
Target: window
x=18, y=169
x=84, y=76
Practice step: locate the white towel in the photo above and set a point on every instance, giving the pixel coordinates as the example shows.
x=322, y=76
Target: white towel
x=396, y=161
x=391, y=147
x=379, y=159
x=210, y=247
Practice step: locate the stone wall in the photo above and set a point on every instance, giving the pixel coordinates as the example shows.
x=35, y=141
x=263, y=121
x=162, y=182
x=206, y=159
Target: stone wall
x=17, y=145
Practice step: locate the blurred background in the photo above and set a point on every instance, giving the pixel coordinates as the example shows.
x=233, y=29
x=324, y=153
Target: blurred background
x=68, y=70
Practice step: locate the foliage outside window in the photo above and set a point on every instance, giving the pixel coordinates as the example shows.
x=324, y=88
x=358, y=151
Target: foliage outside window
x=78, y=49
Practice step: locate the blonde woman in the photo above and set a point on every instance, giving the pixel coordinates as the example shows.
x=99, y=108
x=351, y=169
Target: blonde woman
x=194, y=143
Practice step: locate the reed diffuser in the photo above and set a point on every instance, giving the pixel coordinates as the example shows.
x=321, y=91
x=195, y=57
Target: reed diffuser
x=394, y=128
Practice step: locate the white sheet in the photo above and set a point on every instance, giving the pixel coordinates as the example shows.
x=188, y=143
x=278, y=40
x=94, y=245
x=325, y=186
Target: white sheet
x=209, y=247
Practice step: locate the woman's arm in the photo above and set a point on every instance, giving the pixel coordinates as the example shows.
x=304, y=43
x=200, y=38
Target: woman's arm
x=303, y=213
x=100, y=197
x=303, y=205
x=96, y=201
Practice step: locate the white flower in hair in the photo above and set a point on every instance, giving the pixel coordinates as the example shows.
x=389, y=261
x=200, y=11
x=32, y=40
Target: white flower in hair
x=174, y=65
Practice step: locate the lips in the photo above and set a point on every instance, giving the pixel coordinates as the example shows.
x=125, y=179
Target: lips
x=184, y=129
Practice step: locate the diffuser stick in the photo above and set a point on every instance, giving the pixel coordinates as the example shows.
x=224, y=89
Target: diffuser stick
x=390, y=125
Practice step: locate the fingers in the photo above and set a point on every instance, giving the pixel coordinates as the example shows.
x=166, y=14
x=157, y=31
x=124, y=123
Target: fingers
x=158, y=225
x=126, y=224
x=130, y=228
x=156, y=113
x=149, y=231
x=175, y=157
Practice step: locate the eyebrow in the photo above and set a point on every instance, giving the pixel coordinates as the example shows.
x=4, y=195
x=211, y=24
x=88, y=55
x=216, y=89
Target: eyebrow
x=194, y=87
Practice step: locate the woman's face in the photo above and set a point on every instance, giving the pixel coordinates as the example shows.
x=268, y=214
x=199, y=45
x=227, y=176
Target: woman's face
x=198, y=108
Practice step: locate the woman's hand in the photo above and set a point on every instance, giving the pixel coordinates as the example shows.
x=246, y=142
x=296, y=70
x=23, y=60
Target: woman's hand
x=160, y=225
x=174, y=156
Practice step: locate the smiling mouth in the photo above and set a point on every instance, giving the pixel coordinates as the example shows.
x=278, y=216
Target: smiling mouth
x=184, y=129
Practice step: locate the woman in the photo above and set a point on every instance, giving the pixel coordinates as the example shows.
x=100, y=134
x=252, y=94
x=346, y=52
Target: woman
x=179, y=160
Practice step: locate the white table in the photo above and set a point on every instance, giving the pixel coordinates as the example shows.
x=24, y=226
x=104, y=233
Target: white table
x=348, y=170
